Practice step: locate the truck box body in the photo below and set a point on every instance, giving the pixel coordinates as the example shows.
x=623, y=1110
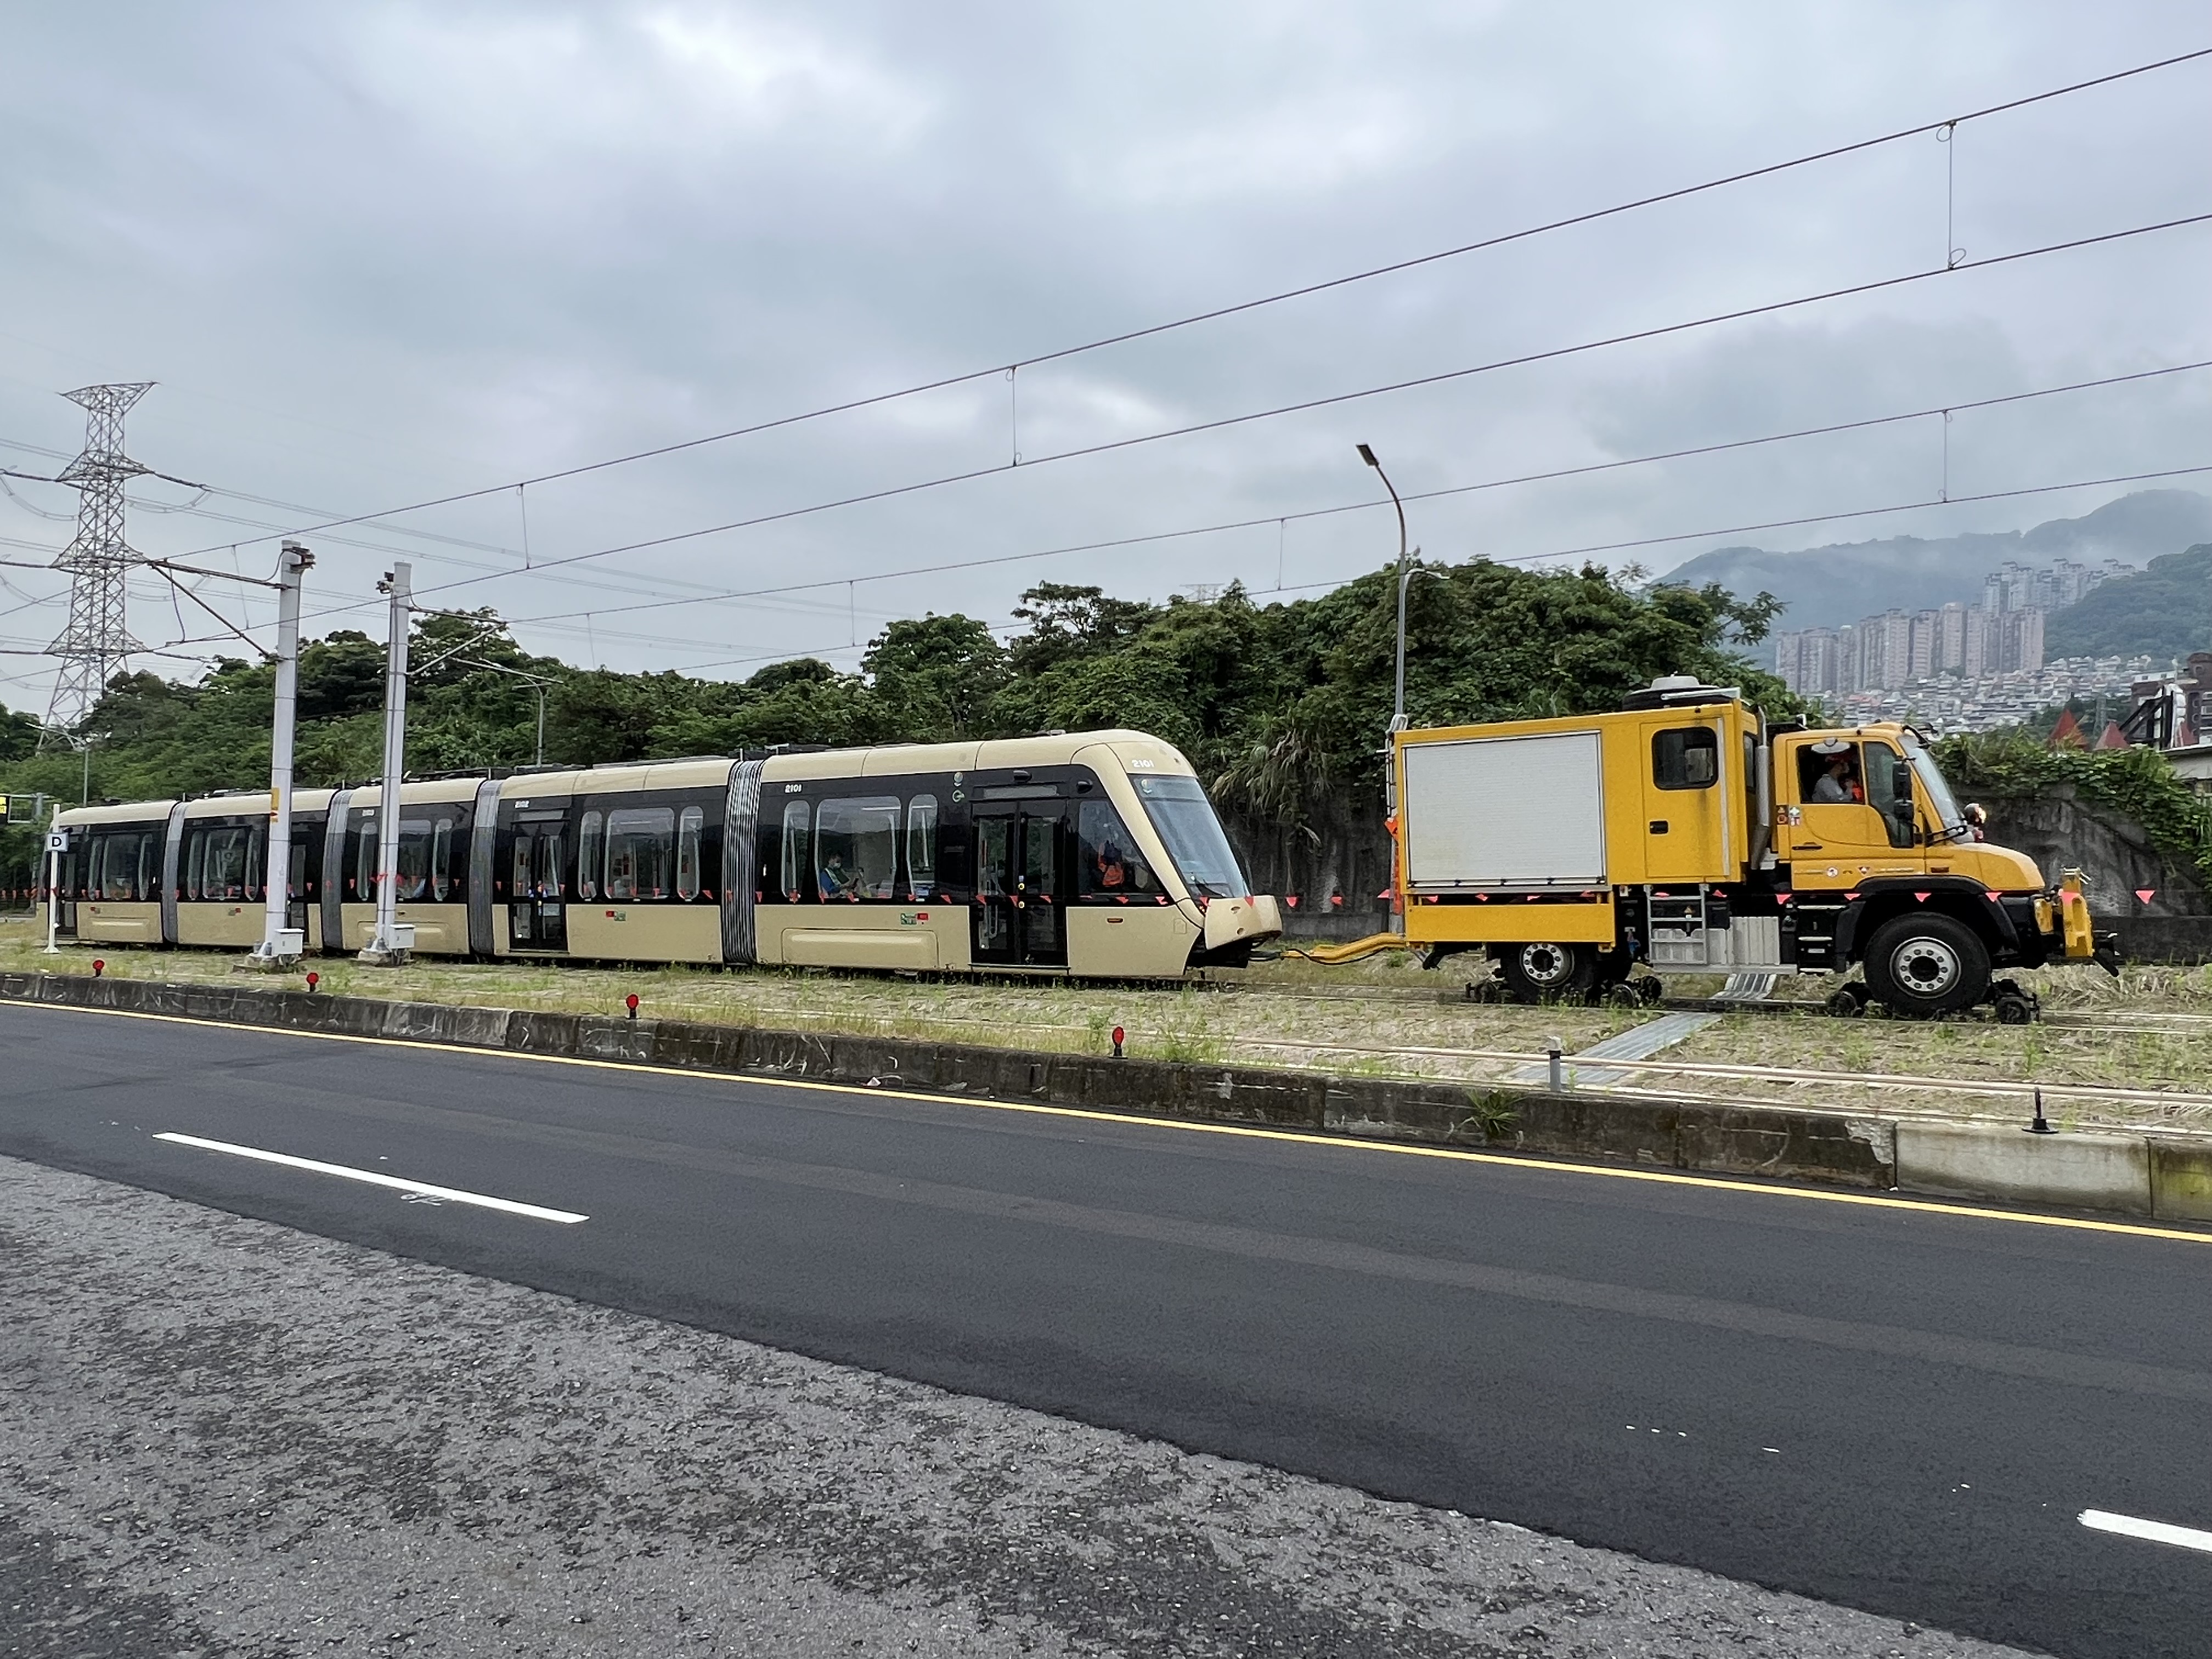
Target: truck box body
x=1505, y=814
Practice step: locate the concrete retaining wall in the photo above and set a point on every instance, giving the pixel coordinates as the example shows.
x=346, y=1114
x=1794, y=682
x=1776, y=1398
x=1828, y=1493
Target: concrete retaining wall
x=2169, y=1177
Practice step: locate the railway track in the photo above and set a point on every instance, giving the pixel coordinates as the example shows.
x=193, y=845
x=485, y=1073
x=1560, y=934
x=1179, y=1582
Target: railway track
x=1493, y=1066
x=2141, y=1023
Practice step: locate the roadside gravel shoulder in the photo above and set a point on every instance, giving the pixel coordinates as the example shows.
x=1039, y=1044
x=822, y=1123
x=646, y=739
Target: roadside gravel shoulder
x=224, y=1437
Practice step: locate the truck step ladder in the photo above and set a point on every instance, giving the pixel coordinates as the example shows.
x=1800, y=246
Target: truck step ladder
x=1751, y=986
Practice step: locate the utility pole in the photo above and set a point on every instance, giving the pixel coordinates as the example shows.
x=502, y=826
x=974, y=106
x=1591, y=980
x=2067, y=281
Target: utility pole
x=54, y=882
x=95, y=639
x=281, y=943
x=392, y=942
x=1398, y=700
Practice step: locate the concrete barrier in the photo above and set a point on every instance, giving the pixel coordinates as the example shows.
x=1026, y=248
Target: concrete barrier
x=2169, y=1175
x=2180, y=1178
x=2002, y=1161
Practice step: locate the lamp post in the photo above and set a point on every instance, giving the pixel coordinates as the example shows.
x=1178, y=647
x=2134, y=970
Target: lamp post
x=538, y=684
x=1398, y=702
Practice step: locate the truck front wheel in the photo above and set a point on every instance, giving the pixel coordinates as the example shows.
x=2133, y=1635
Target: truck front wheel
x=1547, y=973
x=1927, y=964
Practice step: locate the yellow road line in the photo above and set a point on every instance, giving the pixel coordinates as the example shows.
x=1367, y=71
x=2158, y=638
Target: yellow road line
x=1341, y=1143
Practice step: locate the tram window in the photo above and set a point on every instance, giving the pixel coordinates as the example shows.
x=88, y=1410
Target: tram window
x=441, y=860
x=195, y=863
x=414, y=860
x=641, y=849
x=149, y=865
x=921, y=847
x=222, y=862
x=793, y=862
x=549, y=866
x=1685, y=758
x=689, y=829
x=856, y=848
x=1109, y=867
x=587, y=856
x=115, y=867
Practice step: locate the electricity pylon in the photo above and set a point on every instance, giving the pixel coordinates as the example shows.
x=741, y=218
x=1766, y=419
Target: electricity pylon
x=96, y=638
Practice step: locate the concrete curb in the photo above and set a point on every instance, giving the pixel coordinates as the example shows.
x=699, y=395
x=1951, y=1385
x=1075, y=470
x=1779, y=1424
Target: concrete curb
x=2168, y=1176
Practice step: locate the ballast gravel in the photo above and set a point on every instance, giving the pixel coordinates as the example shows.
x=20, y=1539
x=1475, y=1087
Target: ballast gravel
x=219, y=1436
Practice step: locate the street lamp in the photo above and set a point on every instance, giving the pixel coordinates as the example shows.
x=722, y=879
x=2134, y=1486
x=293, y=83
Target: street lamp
x=1398, y=703
x=537, y=683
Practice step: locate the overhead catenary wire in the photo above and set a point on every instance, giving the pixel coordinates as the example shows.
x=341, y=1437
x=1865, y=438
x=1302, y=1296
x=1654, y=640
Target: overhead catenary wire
x=1686, y=536
x=1337, y=399
x=1546, y=476
x=1948, y=124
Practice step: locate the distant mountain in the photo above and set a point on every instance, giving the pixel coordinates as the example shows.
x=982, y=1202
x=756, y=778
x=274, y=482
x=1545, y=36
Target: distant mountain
x=1828, y=587
x=2164, y=611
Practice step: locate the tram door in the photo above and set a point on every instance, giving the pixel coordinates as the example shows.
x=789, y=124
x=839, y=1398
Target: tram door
x=537, y=894
x=303, y=874
x=1020, y=908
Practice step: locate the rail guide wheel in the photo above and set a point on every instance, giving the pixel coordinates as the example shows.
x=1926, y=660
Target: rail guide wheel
x=2014, y=1005
x=1847, y=1001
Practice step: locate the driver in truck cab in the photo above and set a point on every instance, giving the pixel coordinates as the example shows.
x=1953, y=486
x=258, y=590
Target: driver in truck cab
x=1838, y=784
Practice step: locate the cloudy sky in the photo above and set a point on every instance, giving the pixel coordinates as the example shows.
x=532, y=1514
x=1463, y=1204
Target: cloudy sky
x=380, y=253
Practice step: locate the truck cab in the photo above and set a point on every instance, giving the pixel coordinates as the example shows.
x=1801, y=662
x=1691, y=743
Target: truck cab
x=1684, y=834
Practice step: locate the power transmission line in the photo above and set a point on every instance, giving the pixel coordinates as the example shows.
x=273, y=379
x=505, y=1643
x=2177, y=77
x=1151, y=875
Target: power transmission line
x=1947, y=126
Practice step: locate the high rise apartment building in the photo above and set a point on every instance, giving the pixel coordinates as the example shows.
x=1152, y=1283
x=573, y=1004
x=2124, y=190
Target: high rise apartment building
x=2003, y=635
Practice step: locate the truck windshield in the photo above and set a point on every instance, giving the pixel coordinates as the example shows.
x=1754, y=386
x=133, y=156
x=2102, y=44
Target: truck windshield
x=1936, y=787
x=1180, y=811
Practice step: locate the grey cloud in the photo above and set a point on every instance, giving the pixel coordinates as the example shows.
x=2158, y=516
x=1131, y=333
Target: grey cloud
x=388, y=251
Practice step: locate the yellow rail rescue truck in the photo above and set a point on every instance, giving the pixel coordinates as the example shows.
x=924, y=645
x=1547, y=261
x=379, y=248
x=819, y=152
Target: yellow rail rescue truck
x=1688, y=834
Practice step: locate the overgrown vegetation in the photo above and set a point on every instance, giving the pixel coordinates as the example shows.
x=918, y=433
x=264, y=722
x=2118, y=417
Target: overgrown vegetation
x=2136, y=782
x=1274, y=703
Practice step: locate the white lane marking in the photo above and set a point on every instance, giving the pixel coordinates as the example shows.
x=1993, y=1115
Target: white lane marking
x=418, y=1189
x=2155, y=1532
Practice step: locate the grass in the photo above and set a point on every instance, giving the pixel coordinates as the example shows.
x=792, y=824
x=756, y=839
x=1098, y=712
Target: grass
x=1384, y=1017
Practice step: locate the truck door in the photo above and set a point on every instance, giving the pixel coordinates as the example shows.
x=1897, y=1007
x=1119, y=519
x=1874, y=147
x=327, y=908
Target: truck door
x=1686, y=807
x=1849, y=813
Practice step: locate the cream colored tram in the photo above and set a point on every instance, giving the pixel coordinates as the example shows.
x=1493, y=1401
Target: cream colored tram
x=182, y=872
x=1093, y=855
x=217, y=863
x=438, y=838
x=109, y=884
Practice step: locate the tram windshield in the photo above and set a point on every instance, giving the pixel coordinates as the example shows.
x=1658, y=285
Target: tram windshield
x=1184, y=818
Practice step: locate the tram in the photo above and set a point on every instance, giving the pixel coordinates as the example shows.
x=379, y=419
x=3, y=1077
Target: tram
x=1092, y=855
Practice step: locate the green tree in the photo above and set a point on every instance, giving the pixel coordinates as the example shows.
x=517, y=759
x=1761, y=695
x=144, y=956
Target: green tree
x=937, y=677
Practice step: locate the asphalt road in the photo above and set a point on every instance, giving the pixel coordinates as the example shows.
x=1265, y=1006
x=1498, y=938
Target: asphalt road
x=1894, y=1408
